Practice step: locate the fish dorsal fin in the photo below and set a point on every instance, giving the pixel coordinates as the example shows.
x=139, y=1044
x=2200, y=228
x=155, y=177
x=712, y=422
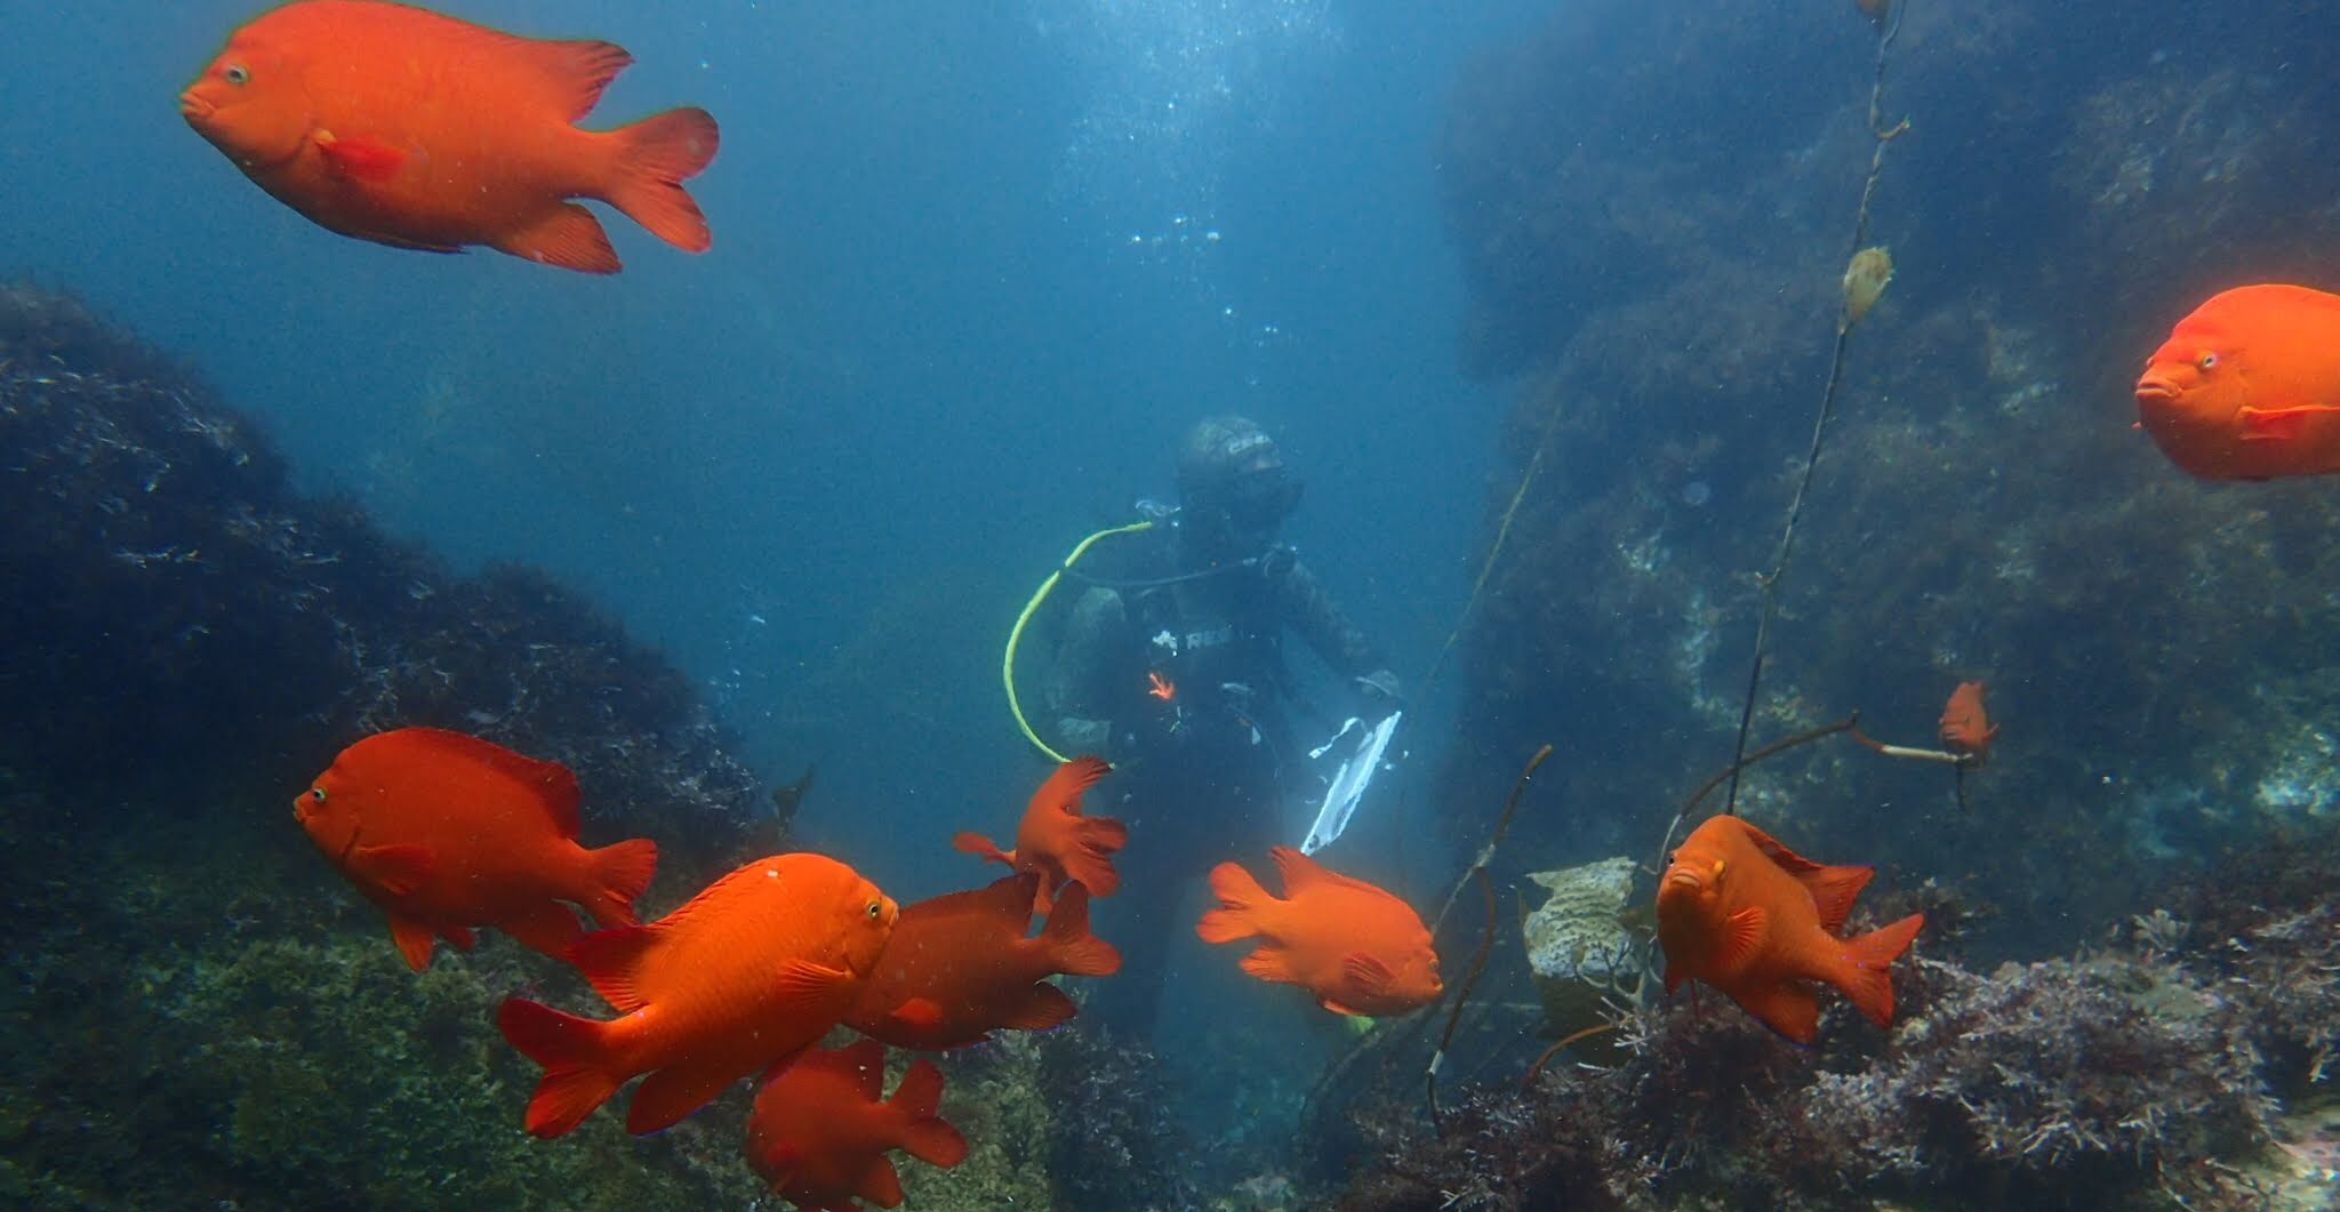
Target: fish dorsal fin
x=610, y=961
x=1010, y=897
x=1301, y=873
x=552, y=782
x=1298, y=871
x=1741, y=938
x=1060, y=794
x=1785, y=859
x=865, y=1062
x=572, y=74
x=1834, y=889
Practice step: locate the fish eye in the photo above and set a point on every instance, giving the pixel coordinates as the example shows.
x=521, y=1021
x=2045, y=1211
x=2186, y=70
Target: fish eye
x=873, y=911
x=2208, y=361
x=317, y=794
x=236, y=74
x=1718, y=867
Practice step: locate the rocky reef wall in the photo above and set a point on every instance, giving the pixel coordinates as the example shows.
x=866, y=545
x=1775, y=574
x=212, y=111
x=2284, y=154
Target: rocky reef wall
x=1653, y=208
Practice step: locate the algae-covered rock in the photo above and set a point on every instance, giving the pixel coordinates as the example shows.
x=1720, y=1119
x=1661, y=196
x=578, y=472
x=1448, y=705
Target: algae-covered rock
x=1578, y=946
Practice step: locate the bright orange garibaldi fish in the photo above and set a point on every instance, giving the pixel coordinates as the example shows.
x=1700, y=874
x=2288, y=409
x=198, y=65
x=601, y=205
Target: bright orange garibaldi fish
x=401, y=126
x=447, y=832
x=1359, y=949
x=960, y=966
x=757, y=967
x=1756, y=920
x=1056, y=840
x=2248, y=386
x=819, y=1133
x=1966, y=727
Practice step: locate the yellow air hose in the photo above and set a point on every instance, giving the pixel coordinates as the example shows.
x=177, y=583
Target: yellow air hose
x=1007, y=663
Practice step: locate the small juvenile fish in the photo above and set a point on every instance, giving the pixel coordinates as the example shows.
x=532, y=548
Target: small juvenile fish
x=1758, y=921
x=1056, y=840
x=447, y=832
x=960, y=966
x=819, y=1134
x=401, y=126
x=1359, y=949
x=1966, y=727
x=756, y=968
x=2248, y=386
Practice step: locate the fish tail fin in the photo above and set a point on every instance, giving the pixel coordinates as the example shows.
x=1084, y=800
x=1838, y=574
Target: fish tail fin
x=1075, y=951
x=1868, y=978
x=925, y=1136
x=1240, y=899
x=1091, y=861
x=620, y=873
x=654, y=157
x=571, y=1050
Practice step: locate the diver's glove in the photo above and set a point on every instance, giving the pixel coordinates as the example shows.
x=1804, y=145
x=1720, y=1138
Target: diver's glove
x=1380, y=692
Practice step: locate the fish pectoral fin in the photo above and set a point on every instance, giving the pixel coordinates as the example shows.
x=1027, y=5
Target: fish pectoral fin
x=970, y=842
x=361, y=157
x=1338, y=1008
x=2279, y=424
x=920, y=1013
x=799, y=979
x=398, y=870
x=1368, y=973
x=1742, y=937
x=567, y=236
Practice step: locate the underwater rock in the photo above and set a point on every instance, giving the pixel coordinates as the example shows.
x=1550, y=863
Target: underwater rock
x=1981, y=508
x=178, y=616
x=2143, y=1076
x=1578, y=948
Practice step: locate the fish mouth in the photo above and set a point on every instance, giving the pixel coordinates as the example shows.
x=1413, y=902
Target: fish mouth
x=1686, y=881
x=194, y=108
x=2157, y=390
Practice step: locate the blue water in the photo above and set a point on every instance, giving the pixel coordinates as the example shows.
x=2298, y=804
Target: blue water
x=975, y=268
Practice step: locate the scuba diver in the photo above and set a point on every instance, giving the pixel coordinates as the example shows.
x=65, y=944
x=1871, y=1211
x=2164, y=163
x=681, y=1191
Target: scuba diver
x=1170, y=666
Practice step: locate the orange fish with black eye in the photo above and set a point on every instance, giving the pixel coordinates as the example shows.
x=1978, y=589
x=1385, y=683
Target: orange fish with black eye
x=757, y=967
x=1359, y=949
x=960, y=966
x=401, y=126
x=1056, y=840
x=1966, y=727
x=1752, y=918
x=2248, y=386
x=447, y=833
x=819, y=1133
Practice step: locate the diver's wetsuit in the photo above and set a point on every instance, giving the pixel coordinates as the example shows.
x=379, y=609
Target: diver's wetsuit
x=1181, y=685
